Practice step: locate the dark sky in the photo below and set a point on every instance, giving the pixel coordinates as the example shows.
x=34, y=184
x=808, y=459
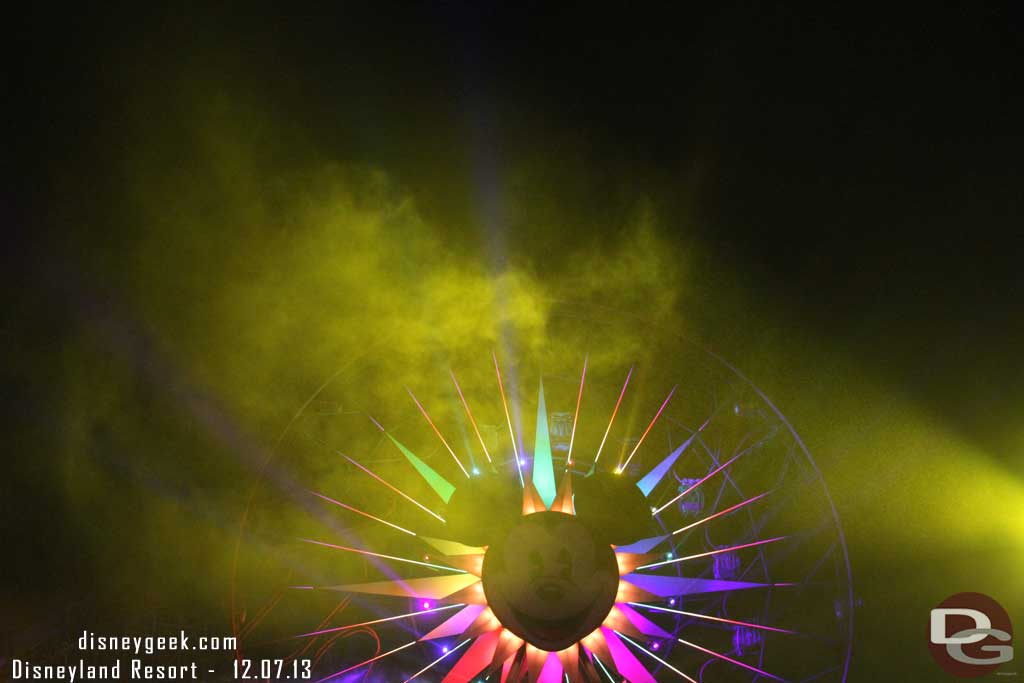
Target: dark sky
x=857, y=173
x=862, y=167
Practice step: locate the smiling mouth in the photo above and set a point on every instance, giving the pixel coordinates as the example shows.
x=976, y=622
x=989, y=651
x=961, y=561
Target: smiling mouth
x=550, y=629
x=549, y=590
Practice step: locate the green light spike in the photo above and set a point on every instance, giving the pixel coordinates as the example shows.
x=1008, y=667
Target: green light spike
x=543, y=468
x=441, y=486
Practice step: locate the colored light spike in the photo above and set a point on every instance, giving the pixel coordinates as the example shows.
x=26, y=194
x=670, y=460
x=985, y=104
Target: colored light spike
x=667, y=586
x=370, y=553
x=428, y=667
x=452, y=547
x=437, y=431
x=615, y=412
x=563, y=501
x=532, y=501
x=456, y=624
x=576, y=416
x=474, y=660
x=508, y=419
x=656, y=657
x=625, y=661
x=396, y=617
x=360, y=512
x=543, y=467
x=642, y=624
x=368, y=661
x=552, y=671
x=738, y=663
x=430, y=588
x=644, y=545
x=469, y=414
x=442, y=487
x=643, y=436
x=688, y=491
x=654, y=477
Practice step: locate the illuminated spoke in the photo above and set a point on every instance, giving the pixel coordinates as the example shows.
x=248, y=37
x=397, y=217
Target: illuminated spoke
x=649, y=427
x=610, y=677
x=614, y=412
x=576, y=417
x=378, y=621
x=470, y=414
x=368, y=661
x=385, y=557
x=437, y=431
x=711, y=552
x=396, y=490
x=360, y=512
x=732, y=661
x=708, y=617
x=735, y=507
x=652, y=655
x=511, y=432
x=695, y=486
x=430, y=666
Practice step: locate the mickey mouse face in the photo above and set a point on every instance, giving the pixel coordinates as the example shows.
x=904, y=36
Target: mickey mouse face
x=549, y=581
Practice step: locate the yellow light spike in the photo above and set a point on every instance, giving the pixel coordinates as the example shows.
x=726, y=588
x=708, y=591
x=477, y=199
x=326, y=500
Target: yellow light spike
x=531, y=499
x=473, y=594
x=451, y=548
x=563, y=501
x=474, y=564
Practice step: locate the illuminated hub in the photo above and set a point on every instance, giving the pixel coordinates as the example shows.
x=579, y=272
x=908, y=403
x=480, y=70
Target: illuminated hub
x=549, y=581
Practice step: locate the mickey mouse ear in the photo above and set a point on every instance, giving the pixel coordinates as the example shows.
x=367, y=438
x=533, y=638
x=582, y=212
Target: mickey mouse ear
x=482, y=509
x=613, y=508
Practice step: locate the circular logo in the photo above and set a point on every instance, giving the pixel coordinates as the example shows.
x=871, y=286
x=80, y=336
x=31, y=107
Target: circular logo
x=549, y=581
x=970, y=635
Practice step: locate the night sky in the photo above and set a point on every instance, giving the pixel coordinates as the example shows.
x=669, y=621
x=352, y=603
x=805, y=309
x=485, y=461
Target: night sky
x=842, y=192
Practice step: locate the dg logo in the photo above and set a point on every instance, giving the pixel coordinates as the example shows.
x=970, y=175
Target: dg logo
x=970, y=635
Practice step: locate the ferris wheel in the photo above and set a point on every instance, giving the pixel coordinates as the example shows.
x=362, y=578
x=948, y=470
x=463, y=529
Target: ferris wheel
x=560, y=514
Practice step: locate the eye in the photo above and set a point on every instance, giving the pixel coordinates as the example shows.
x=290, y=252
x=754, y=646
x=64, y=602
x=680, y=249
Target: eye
x=564, y=564
x=536, y=564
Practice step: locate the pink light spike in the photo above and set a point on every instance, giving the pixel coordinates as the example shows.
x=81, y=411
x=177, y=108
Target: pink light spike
x=576, y=417
x=368, y=661
x=552, y=671
x=614, y=413
x=393, y=488
x=376, y=621
x=713, y=552
x=649, y=427
x=654, y=656
x=360, y=551
x=437, y=661
x=470, y=414
x=732, y=661
x=626, y=663
x=456, y=624
x=694, y=487
x=508, y=418
x=475, y=659
x=360, y=512
x=708, y=617
x=735, y=507
x=437, y=431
